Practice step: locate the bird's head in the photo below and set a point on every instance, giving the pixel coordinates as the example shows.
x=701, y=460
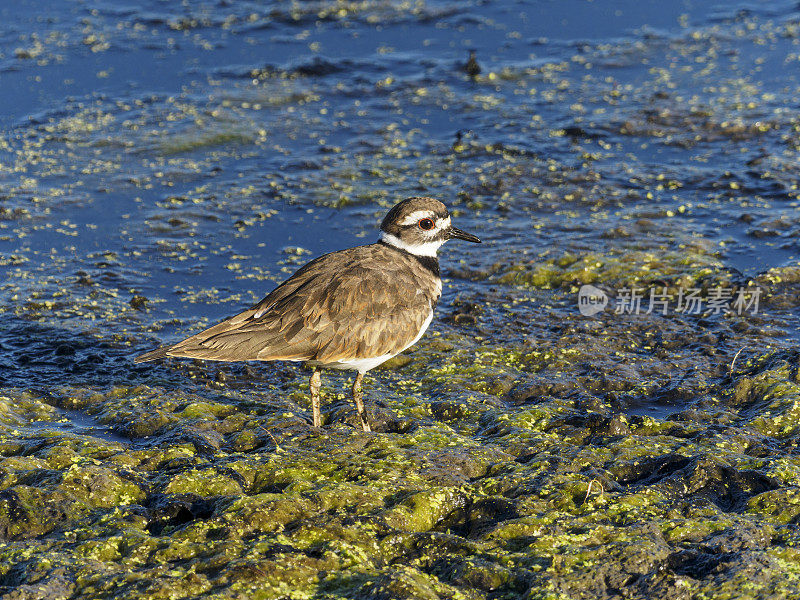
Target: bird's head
x=420, y=226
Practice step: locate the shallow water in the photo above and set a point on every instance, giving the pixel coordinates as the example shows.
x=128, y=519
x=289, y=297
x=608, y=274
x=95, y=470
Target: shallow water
x=163, y=165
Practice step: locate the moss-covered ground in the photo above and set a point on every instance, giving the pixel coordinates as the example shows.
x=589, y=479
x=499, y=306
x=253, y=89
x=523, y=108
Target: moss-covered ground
x=497, y=470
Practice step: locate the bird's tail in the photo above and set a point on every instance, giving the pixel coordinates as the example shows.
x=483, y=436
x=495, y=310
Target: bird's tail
x=153, y=354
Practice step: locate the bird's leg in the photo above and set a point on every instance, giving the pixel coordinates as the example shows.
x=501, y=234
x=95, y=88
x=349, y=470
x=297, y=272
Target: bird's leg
x=362, y=414
x=316, y=381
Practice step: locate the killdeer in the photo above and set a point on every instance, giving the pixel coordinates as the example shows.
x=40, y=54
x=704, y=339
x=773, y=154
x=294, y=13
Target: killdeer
x=351, y=309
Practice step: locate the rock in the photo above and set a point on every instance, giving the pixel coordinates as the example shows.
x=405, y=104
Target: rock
x=204, y=483
x=403, y=583
x=99, y=487
x=476, y=573
x=139, y=302
x=447, y=411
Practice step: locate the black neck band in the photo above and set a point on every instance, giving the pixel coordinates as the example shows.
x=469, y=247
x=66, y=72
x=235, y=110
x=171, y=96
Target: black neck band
x=431, y=263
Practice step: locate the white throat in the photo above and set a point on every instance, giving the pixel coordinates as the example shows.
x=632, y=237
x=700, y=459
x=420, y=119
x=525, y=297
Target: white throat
x=425, y=249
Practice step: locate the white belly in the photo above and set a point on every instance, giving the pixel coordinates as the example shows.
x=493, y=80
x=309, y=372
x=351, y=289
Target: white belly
x=362, y=365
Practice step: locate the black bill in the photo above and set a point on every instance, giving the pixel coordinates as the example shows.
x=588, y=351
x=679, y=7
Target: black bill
x=463, y=235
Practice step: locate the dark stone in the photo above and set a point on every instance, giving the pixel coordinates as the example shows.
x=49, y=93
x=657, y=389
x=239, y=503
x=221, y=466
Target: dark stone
x=174, y=510
x=446, y=410
x=139, y=302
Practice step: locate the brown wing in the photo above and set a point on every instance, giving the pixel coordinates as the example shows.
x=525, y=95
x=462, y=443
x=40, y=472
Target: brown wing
x=366, y=301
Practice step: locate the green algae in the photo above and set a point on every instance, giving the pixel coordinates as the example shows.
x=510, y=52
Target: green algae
x=421, y=511
x=620, y=269
x=519, y=527
x=99, y=487
x=205, y=139
x=530, y=516
x=203, y=482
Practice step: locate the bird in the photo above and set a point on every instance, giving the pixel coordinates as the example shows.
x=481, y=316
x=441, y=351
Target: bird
x=472, y=68
x=351, y=309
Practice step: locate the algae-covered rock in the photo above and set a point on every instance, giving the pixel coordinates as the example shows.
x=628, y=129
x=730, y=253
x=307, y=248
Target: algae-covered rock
x=264, y=512
x=99, y=487
x=422, y=510
x=26, y=511
x=401, y=584
x=475, y=573
x=56, y=585
x=781, y=506
x=633, y=268
x=205, y=482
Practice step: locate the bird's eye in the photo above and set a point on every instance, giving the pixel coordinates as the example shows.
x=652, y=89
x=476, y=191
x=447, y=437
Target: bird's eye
x=426, y=224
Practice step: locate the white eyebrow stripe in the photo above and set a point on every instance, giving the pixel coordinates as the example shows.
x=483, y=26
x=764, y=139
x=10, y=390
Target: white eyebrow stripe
x=443, y=223
x=416, y=216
